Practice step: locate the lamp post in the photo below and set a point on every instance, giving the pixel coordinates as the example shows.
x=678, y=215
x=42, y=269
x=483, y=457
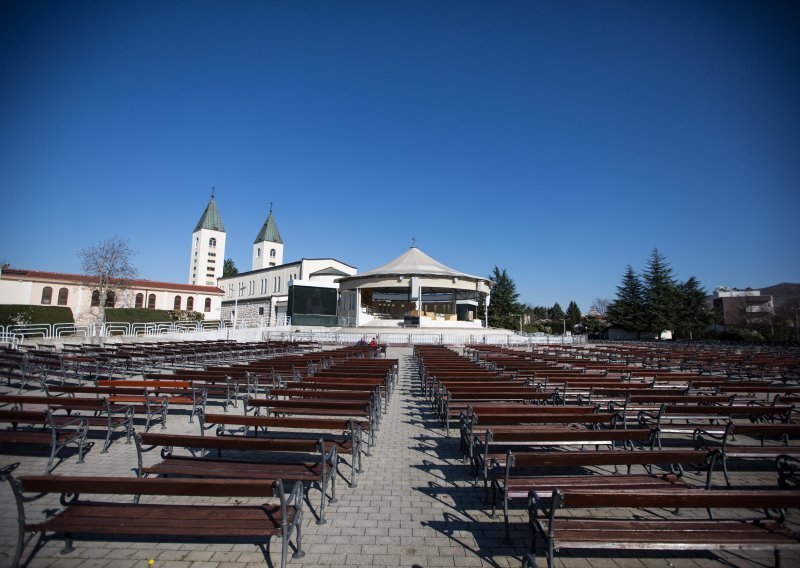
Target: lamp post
x=565, y=326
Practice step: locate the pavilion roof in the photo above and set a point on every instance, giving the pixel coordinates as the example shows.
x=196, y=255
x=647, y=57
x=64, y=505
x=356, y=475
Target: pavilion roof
x=417, y=263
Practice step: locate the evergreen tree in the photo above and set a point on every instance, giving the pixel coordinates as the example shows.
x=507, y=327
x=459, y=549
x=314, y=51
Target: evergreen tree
x=229, y=268
x=541, y=313
x=504, y=310
x=694, y=314
x=556, y=313
x=660, y=294
x=627, y=311
x=573, y=314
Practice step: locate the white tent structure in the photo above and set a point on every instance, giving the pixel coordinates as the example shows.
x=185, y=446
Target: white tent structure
x=412, y=290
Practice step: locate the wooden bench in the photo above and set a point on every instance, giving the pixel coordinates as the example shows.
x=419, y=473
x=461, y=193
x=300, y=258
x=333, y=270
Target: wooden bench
x=724, y=439
x=112, y=417
x=494, y=443
x=153, y=408
x=339, y=409
x=176, y=393
x=512, y=476
x=316, y=466
x=347, y=443
x=118, y=518
x=44, y=430
x=518, y=415
x=598, y=531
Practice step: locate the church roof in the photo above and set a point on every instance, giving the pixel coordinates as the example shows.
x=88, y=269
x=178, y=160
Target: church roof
x=329, y=271
x=269, y=232
x=211, y=218
x=414, y=262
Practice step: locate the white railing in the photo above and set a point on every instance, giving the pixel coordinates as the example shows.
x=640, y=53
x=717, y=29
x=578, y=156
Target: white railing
x=255, y=330
x=453, y=339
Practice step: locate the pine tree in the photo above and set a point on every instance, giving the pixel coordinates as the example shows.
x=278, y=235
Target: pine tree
x=504, y=310
x=627, y=311
x=556, y=313
x=660, y=294
x=694, y=314
x=229, y=268
x=573, y=314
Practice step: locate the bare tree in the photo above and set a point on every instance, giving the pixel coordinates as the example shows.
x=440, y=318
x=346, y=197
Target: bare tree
x=600, y=305
x=110, y=266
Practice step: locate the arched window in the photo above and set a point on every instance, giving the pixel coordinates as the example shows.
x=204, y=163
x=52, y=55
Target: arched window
x=177, y=305
x=208, y=305
x=63, y=296
x=190, y=303
x=272, y=253
x=95, y=298
x=258, y=252
x=47, y=295
x=212, y=242
x=151, y=301
x=110, y=299
x=139, y=300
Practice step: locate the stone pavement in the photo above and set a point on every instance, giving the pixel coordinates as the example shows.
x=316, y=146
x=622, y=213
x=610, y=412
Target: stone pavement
x=414, y=506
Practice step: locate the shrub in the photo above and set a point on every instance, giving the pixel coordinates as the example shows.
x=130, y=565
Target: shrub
x=20, y=314
x=147, y=315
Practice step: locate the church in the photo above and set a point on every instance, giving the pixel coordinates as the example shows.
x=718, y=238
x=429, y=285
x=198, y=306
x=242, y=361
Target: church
x=413, y=290
x=271, y=293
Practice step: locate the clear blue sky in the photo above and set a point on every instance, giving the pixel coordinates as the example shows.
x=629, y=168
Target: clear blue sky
x=560, y=140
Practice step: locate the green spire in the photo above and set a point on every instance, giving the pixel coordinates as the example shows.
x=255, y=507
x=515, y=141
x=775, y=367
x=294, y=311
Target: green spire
x=210, y=219
x=269, y=232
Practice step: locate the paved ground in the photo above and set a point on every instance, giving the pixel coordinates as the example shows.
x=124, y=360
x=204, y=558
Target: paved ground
x=414, y=506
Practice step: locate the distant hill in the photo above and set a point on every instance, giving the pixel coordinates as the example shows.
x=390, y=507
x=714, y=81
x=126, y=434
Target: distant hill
x=783, y=294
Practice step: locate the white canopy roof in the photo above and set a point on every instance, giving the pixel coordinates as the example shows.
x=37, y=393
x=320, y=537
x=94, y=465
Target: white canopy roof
x=414, y=262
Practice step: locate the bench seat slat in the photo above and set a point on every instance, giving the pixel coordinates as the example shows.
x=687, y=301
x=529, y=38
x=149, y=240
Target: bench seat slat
x=209, y=467
x=177, y=520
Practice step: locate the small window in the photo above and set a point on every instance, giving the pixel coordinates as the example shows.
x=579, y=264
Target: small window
x=212, y=242
x=110, y=299
x=190, y=303
x=207, y=305
x=151, y=301
x=177, y=303
x=139, y=300
x=258, y=252
x=95, y=298
x=272, y=253
x=63, y=297
x=47, y=295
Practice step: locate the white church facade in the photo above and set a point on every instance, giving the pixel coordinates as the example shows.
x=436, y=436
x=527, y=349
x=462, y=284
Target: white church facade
x=273, y=293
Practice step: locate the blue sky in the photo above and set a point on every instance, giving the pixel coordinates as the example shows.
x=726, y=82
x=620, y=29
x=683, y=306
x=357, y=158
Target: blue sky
x=559, y=140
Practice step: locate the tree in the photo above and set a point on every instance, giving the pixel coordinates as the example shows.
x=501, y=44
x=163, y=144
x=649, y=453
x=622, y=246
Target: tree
x=600, y=305
x=627, y=311
x=109, y=263
x=573, y=314
x=660, y=294
x=556, y=313
x=229, y=268
x=694, y=314
x=504, y=310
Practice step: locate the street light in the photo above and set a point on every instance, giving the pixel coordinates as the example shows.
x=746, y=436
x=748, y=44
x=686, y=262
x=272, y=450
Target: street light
x=565, y=326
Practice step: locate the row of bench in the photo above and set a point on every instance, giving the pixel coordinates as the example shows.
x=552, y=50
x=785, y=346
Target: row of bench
x=513, y=431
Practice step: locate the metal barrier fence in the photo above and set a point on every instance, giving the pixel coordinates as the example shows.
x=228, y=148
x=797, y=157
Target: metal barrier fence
x=347, y=338
x=210, y=330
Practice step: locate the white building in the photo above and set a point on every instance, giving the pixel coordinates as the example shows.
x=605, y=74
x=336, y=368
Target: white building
x=268, y=246
x=79, y=293
x=208, y=247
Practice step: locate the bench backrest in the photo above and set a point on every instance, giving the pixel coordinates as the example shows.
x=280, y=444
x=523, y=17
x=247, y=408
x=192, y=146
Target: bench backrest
x=150, y=486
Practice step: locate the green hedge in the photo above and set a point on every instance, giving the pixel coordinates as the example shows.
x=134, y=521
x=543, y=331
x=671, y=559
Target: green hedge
x=146, y=315
x=15, y=314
